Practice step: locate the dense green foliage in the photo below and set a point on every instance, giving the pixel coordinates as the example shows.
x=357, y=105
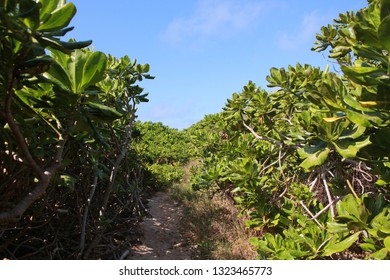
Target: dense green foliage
x=309, y=162
x=163, y=151
x=71, y=174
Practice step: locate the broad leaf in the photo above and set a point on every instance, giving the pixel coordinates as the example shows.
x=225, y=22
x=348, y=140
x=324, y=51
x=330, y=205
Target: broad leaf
x=94, y=69
x=368, y=247
x=76, y=72
x=360, y=71
x=358, y=118
x=352, y=208
x=381, y=254
x=335, y=227
x=386, y=242
x=59, y=18
x=349, y=149
x=341, y=246
x=102, y=112
x=48, y=6
x=384, y=33
x=58, y=76
x=314, y=159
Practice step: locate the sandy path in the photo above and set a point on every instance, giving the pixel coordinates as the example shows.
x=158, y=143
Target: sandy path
x=162, y=239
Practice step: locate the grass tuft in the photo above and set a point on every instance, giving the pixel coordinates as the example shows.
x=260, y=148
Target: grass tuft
x=211, y=222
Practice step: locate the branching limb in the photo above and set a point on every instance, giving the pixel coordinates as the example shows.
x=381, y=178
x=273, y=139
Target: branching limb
x=329, y=195
x=13, y=215
x=311, y=214
x=326, y=208
x=8, y=117
x=85, y=214
x=259, y=137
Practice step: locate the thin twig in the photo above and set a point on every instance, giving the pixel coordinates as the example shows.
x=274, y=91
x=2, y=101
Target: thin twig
x=311, y=214
x=351, y=188
x=264, y=138
x=322, y=244
x=85, y=214
x=313, y=183
x=326, y=208
x=332, y=210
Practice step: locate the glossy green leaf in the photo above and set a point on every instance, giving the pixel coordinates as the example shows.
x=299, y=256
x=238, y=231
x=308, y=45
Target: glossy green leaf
x=358, y=118
x=381, y=254
x=315, y=159
x=58, y=76
x=352, y=132
x=48, y=6
x=360, y=71
x=94, y=69
x=275, y=79
x=341, y=246
x=59, y=33
x=367, y=35
x=102, y=112
x=385, y=8
x=74, y=44
x=352, y=207
x=78, y=71
x=59, y=18
x=349, y=149
x=368, y=247
x=381, y=222
x=386, y=242
x=384, y=33
x=335, y=227
x=379, y=205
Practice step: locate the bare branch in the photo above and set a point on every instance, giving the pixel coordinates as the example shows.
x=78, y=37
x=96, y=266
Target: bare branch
x=85, y=214
x=330, y=199
x=15, y=214
x=326, y=208
x=311, y=214
x=264, y=138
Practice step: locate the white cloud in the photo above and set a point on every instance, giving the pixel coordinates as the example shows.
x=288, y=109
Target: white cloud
x=214, y=18
x=310, y=25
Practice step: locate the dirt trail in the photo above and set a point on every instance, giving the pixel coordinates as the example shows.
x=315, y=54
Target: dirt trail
x=162, y=239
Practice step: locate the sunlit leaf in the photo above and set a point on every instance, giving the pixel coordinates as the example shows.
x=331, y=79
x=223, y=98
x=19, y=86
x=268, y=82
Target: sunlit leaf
x=58, y=18
x=384, y=33
x=381, y=254
x=94, y=69
x=333, y=119
x=341, y=246
x=386, y=242
x=349, y=148
x=316, y=158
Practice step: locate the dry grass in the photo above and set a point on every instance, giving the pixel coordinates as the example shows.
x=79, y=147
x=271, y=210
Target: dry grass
x=211, y=222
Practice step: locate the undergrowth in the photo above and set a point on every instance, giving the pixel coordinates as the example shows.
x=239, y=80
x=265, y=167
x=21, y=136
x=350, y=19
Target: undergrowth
x=211, y=222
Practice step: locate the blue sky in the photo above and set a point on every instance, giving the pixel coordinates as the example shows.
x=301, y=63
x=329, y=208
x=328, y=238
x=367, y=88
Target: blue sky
x=202, y=51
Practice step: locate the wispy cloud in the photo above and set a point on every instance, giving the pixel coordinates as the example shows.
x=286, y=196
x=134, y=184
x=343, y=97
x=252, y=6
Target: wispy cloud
x=310, y=25
x=215, y=18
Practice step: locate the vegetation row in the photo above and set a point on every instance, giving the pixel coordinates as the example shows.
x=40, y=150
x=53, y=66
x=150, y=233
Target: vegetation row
x=306, y=164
